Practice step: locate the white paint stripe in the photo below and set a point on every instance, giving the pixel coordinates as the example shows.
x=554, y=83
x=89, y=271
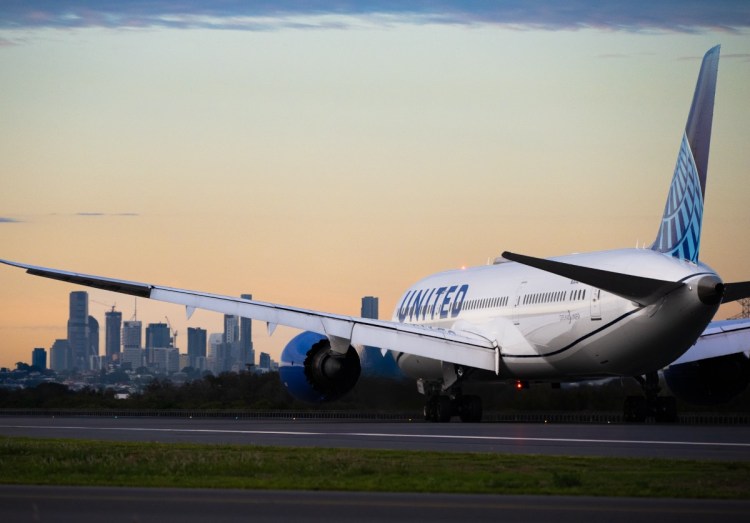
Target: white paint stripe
x=392, y=435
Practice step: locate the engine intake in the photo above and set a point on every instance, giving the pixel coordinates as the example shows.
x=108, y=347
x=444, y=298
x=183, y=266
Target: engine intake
x=314, y=372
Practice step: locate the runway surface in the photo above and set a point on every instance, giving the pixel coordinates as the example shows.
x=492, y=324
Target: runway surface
x=727, y=443
x=114, y=505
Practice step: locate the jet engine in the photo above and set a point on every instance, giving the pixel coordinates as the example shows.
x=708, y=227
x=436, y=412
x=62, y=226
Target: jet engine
x=711, y=381
x=314, y=372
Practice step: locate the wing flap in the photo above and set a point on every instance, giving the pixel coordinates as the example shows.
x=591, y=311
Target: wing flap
x=459, y=348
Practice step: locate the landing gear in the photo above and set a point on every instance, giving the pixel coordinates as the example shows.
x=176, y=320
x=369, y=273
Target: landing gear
x=441, y=408
x=438, y=408
x=470, y=409
x=661, y=408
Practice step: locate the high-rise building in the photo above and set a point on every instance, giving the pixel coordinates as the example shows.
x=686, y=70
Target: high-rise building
x=39, y=358
x=231, y=328
x=230, y=353
x=96, y=363
x=184, y=361
x=264, y=362
x=78, y=329
x=200, y=363
x=215, y=343
x=222, y=361
x=132, y=357
x=132, y=344
x=158, y=336
x=166, y=359
x=196, y=347
x=247, y=352
x=132, y=332
x=372, y=360
x=93, y=343
x=370, y=307
x=112, y=335
x=60, y=356
x=214, y=340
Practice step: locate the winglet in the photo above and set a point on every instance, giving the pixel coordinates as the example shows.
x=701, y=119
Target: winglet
x=142, y=290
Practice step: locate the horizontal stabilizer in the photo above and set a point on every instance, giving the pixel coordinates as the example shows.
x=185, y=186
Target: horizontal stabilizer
x=635, y=288
x=736, y=291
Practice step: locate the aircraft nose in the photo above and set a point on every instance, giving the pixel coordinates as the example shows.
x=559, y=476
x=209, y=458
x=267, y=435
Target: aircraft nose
x=710, y=290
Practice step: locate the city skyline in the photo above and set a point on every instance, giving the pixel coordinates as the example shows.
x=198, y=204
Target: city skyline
x=318, y=156
x=119, y=337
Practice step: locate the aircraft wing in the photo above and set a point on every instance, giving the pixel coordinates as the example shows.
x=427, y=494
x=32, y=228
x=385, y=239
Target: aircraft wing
x=720, y=338
x=462, y=348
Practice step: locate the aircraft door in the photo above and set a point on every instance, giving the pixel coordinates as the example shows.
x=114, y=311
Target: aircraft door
x=517, y=305
x=596, y=306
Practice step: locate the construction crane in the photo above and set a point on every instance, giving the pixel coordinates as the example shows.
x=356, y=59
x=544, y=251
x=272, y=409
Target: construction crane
x=173, y=332
x=745, y=304
x=105, y=304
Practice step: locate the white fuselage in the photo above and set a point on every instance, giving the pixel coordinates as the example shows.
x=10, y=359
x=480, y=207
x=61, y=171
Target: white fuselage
x=553, y=328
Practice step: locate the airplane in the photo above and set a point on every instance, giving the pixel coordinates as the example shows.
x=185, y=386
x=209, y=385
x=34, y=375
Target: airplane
x=618, y=313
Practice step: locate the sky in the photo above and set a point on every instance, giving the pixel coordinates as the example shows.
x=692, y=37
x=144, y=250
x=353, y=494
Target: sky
x=312, y=153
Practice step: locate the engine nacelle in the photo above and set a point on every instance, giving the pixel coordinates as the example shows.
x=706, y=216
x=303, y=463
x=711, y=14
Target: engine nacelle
x=313, y=372
x=711, y=381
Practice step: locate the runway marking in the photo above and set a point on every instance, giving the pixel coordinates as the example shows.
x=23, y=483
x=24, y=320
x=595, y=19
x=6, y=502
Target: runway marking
x=392, y=435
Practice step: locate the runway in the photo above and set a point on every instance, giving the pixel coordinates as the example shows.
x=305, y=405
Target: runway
x=89, y=504
x=726, y=443
x=93, y=504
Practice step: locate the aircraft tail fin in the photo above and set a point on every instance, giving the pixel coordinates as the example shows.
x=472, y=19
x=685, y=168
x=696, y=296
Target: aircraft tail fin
x=680, y=230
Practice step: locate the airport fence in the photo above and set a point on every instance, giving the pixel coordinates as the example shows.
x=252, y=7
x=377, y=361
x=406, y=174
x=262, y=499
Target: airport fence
x=687, y=418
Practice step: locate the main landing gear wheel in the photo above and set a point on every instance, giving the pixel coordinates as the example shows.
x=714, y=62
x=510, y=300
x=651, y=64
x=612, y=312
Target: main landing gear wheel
x=470, y=409
x=442, y=408
x=662, y=408
x=438, y=409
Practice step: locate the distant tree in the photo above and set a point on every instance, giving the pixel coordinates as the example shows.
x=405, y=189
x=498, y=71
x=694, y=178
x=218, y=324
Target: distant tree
x=116, y=376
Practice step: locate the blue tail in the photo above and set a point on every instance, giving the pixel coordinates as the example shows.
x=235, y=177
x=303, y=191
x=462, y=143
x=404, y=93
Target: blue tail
x=680, y=231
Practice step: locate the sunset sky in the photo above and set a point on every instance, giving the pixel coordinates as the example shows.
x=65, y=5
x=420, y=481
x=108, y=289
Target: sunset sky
x=311, y=156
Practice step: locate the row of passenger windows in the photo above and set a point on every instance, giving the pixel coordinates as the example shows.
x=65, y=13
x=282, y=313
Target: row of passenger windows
x=578, y=295
x=486, y=302
x=529, y=299
x=553, y=297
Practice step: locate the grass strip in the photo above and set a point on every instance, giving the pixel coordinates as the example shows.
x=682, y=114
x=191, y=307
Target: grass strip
x=75, y=462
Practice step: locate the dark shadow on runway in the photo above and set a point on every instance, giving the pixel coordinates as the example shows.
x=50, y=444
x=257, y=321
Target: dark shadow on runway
x=114, y=505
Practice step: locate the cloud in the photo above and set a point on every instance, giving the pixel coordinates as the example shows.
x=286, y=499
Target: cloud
x=97, y=214
x=635, y=15
x=745, y=57
x=8, y=220
x=610, y=56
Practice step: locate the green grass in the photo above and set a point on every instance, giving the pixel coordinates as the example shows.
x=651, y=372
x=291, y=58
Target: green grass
x=75, y=462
